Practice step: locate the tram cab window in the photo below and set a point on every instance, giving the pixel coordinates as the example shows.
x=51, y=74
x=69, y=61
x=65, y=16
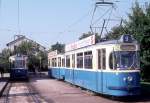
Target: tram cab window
x=88, y=58
x=102, y=59
x=19, y=64
x=80, y=60
x=68, y=61
x=112, y=61
x=73, y=60
x=59, y=61
x=126, y=60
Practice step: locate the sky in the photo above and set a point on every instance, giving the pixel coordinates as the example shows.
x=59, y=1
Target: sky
x=49, y=21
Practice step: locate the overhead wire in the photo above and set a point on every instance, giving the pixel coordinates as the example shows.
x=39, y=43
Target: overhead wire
x=0, y=6
x=77, y=21
x=101, y=16
x=19, y=29
x=109, y=18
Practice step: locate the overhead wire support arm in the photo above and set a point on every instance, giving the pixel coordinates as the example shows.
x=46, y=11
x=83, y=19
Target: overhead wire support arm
x=103, y=2
x=109, y=6
x=103, y=27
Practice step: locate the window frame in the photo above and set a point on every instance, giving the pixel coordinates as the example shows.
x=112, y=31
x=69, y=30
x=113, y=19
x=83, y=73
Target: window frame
x=88, y=60
x=80, y=59
x=68, y=64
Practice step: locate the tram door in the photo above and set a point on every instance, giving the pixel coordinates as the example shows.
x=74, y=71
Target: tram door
x=101, y=66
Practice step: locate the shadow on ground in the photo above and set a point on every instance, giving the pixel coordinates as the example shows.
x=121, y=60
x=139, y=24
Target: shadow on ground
x=38, y=76
x=144, y=97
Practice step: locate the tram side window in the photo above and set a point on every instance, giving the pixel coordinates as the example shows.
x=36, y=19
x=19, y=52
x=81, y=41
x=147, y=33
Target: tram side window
x=73, y=60
x=59, y=61
x=99, y=59
x=88, y=60
x=102, y=59
x=49, y=62
x=63, y=62
x=54, y=63
x=80, y=60
x=68, y=61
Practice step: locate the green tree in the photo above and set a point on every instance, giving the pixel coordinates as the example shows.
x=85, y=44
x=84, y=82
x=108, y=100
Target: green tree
x=59, y=47
x=27, y=48
x=116, y=32
x=85, y=35
x=4, y=59
x=42, y=57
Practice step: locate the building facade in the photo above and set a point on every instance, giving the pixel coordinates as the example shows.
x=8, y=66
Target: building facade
x=18, y=39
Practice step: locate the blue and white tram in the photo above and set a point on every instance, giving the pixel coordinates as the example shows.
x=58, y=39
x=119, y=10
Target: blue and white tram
x=18, y=67
x=110, y=67
x=57, y=65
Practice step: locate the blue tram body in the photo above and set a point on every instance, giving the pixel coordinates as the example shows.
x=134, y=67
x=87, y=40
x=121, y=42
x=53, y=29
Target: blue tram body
x=18, y=67
x=116, y=75
x=58, y=73
x=19, y=73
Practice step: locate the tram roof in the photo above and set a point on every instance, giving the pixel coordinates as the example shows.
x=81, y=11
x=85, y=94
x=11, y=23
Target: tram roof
x=112, y=42
x=20, y=55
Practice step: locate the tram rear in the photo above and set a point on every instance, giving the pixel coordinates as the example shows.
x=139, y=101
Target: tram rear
x=18, y=67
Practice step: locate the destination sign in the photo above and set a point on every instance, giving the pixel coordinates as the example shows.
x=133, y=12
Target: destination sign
x=81, y=43
x=52, y=54
x=128, y=47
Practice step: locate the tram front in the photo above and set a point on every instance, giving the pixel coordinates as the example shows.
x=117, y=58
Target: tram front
x=125, y=65
x=18, y=67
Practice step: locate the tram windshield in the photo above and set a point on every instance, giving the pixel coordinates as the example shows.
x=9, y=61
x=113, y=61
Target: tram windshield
x=19, y=64
x=127, y=60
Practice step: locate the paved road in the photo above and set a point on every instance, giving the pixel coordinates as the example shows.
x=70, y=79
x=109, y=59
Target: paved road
x=55, y=91
x=20, y=92
x=59, y=92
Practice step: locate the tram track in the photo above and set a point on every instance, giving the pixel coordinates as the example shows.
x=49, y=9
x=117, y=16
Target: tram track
x=6, y=92
x=17, y=92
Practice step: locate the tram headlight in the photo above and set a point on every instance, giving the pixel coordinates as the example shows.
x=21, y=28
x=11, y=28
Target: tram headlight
x=124, y=79
x=130, y=78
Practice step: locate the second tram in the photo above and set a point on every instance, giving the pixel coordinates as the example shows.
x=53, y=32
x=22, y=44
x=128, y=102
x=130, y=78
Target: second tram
x=18, y=67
